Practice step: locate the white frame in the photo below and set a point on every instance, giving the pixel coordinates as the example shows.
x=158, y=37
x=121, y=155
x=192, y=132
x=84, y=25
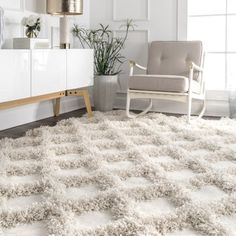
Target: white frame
x=179, y=97
x=22, y=6
x=117, y=19
x=226, y=51
x=146, y=31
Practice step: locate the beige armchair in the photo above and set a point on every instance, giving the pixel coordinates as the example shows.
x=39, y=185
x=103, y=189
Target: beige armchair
x=174, y=72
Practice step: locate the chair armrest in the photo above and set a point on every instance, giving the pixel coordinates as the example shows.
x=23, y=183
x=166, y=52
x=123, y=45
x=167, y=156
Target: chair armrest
x=134, y=64
x=193, y=66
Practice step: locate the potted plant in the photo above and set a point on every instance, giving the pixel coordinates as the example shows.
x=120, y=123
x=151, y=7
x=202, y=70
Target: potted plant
x=107, y=60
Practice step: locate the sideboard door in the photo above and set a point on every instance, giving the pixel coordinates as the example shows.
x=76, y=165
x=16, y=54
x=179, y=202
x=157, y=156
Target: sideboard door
x=79, y=68
x=15, y=74
x=48, y=71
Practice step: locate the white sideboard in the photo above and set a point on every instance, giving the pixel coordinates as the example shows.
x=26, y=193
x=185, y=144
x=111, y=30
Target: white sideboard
x=29, y=76
x=79, y=67
x=15, y=75
x=48, y=71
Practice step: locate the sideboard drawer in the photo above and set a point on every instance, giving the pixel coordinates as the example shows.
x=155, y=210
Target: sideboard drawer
x=79, y=68
x=48, y=71
x=15, y=74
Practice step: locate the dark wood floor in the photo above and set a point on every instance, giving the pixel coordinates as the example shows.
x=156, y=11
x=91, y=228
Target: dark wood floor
x=19, y=131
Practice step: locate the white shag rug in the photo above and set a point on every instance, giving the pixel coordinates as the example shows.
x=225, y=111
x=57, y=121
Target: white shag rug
x=114, y=176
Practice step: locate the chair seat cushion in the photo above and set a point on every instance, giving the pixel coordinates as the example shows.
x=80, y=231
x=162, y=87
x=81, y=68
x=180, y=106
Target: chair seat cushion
x=161, y=83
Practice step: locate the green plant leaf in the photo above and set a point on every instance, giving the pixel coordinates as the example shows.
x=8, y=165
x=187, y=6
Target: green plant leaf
x=107, y=48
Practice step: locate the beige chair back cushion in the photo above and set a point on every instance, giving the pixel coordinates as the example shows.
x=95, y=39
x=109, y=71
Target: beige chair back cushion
x=174, y=57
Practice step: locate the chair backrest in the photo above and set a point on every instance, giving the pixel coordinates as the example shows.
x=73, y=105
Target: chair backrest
x=174, y=57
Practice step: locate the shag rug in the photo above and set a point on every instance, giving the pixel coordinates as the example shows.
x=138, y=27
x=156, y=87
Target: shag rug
x=114, y=176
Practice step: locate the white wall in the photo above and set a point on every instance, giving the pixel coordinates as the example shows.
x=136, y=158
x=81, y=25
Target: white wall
x=155, y=20
x=15, y=10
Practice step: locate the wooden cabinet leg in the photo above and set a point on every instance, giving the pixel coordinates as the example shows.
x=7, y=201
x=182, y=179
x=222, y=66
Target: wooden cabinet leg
x=87, y=102
x=85, y=94
x=57, y=107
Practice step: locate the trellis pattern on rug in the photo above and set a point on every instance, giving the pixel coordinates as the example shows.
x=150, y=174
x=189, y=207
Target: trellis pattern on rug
x=109, y=175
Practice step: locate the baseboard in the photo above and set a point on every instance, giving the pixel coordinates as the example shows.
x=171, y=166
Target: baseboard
x=29, y=113
x=217, y=107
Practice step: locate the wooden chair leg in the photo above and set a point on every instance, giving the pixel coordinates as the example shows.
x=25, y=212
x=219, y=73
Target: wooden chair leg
x=203, y=109
x=189, y=108
x=57, y=107
x=141, y=113
x=87, y=102
x=128, y=106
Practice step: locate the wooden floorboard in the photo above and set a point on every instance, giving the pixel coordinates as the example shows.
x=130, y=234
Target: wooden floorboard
x=20, y=131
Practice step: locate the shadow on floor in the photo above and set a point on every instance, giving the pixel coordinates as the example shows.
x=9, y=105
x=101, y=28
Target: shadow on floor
x=20, y=131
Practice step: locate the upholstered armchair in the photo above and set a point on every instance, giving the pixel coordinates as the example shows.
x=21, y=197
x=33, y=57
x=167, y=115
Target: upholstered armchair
x=174, y=72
